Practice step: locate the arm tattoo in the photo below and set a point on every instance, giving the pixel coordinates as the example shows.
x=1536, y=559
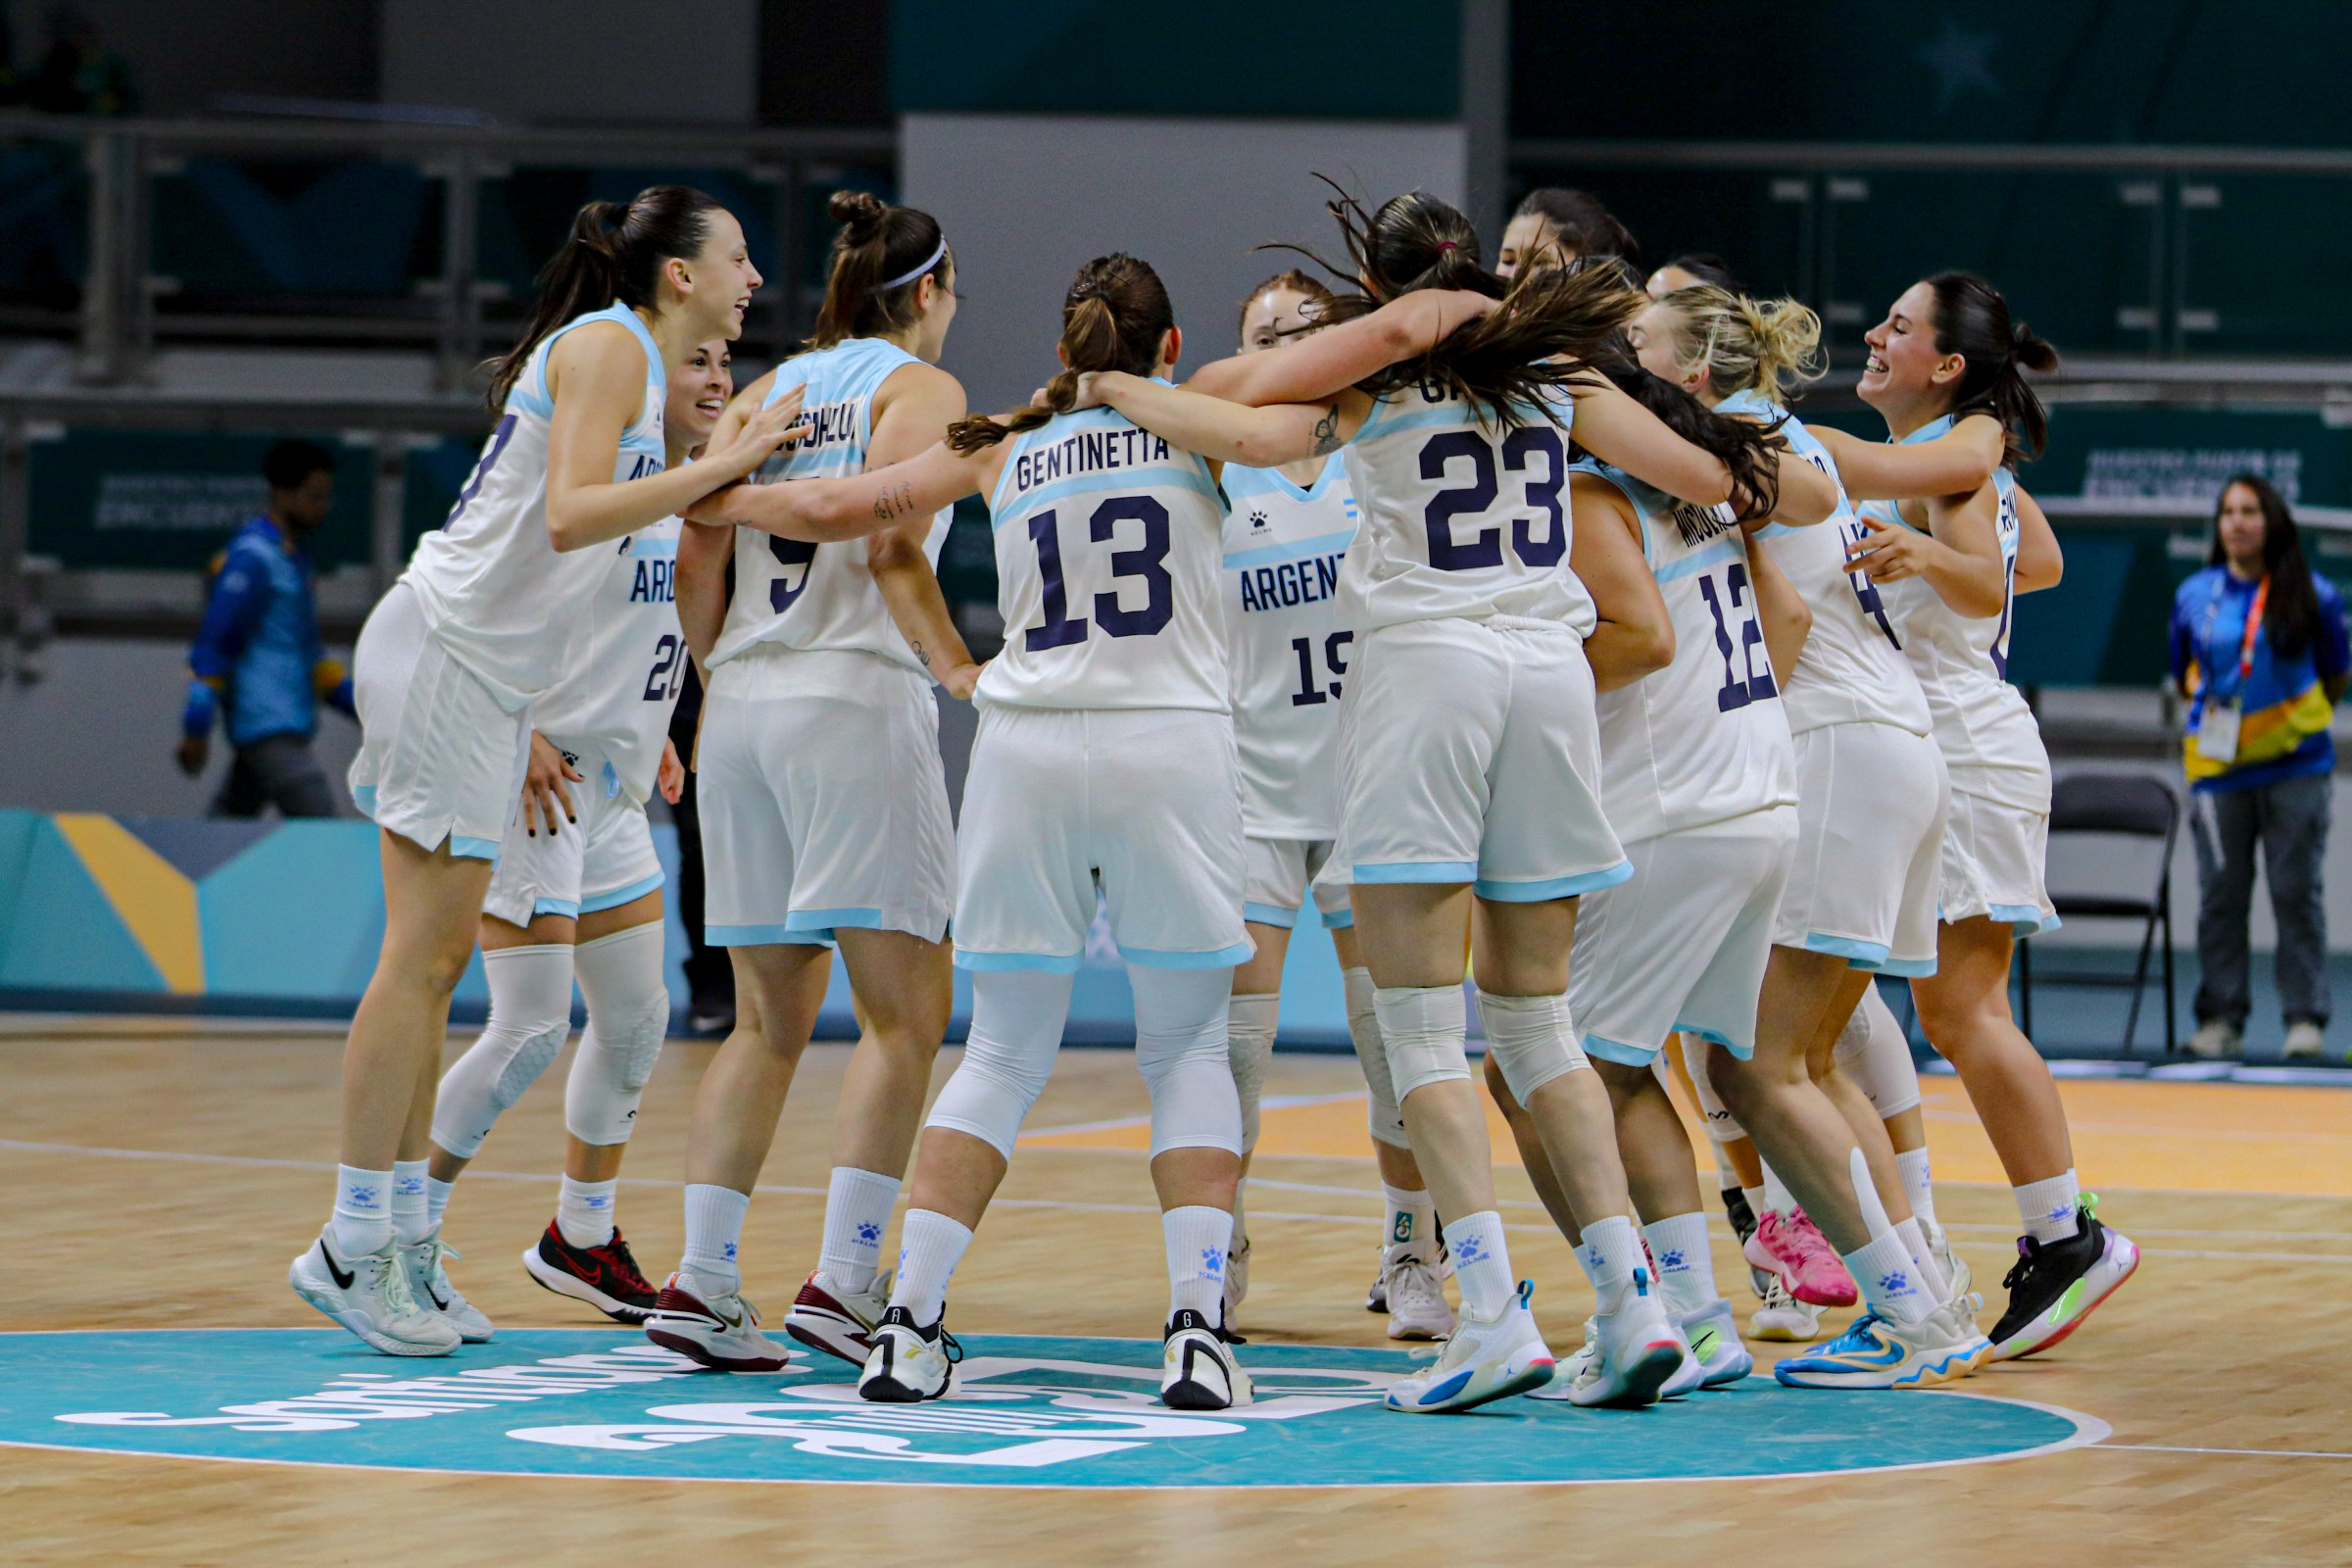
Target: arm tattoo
x=894, y=503
x=919, y=650
x=1327, y=433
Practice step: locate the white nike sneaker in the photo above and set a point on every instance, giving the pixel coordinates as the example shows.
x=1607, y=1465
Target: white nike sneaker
x=829, y=1316
x=1875, y=1353
x=721, y=1332
x=428, y=1283
x=1416, y=1301
x=371, y=1297
x=1783, y=1318
x=911, y=1363
x=1236, y=1277
x=1640, y=1353
x=1484, y=1360
x=1197, y=1368
x=1713, y=1335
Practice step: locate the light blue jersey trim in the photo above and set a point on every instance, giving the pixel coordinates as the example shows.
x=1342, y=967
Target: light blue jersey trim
x=1900, y=968
x=530, y=400
x=1004, y=963
x=466, y=849
x=1268, y=915
x=1322, y=544
x=1558, y=887
x=569, y=908
x=757, y=936
x=1379, y=427
x=620, y=896
x=1417, y=871
x=826, y=920
x=2024, y=919
x=1159, y=958
x=1618, y=1051
x=644, y=549
x=1743, y=1052
x=1698, y=561
x=1241, y=481
x=1338, y=919
x=362, y=796
x=1861, y=954
x=1117, y=481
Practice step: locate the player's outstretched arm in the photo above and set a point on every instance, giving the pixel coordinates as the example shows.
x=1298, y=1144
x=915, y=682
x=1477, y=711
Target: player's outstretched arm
x=1227, y=432
x=1333, y=358
x=1954, y=464
x=826, y=509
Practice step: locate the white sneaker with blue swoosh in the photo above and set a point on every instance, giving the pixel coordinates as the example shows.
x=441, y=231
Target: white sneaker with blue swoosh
x=1877, y=1353
x=370, y=1296
x=1485, y=1360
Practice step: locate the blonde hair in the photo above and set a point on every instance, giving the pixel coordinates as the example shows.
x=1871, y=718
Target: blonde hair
x=1744, y=343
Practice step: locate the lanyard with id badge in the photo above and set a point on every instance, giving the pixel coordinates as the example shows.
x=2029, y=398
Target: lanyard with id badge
x=2217, y=729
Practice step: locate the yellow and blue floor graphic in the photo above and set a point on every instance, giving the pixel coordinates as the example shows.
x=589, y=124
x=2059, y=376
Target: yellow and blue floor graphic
x=1026, y=1411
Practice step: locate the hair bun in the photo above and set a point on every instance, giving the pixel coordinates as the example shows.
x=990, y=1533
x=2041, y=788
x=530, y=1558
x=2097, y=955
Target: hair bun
x=856, y=210
x=2032, y=351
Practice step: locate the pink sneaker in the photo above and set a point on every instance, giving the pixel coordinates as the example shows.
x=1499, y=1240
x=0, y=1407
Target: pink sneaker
x=1792, y=1246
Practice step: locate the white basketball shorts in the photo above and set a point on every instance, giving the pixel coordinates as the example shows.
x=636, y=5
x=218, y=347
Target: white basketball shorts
x=1280, y=876
x=1993, y=866
x=1870, y=835
x=600, y=861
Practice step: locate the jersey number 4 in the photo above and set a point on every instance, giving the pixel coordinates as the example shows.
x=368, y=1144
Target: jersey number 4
x=1146, y=563
x=1485, y=547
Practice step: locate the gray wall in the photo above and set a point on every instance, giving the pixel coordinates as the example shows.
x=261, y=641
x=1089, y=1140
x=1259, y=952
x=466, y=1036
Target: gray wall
x=183, y=55
x=576, y=61
x=1026, y=199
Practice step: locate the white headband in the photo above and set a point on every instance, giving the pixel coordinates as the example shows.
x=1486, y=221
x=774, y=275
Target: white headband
x=929, y=261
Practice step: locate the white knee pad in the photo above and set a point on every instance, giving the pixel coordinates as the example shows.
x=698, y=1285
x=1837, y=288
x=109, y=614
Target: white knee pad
x=1364, y=1030
x=1532, y=1039
x=1422, y=1029
x=1722, y=1126
x=628, y=1018
x=1181, y=1050
x=530, y=1014
x=1018, y=1017
x=1250, y=1025
x=1870, y=1051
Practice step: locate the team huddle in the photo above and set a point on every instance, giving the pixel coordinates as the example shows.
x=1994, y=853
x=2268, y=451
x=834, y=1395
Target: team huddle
x=1504, y=622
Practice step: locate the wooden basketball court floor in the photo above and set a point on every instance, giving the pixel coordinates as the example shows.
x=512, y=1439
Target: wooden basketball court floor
x=158, y=1174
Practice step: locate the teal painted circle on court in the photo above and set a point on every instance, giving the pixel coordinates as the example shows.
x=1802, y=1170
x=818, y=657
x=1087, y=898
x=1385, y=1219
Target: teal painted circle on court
x=1029, y=1412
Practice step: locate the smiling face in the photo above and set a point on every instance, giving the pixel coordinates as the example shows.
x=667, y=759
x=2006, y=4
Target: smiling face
x=1529, y=242
x=698, y=391
x=1278, y=316
x=717, y=282
x=1904, y=373
x=2243, y=530
x=1654, y=334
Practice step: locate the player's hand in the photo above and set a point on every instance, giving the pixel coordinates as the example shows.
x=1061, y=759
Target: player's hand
x=962, y=680
x=670, y=777
x=1888, y=551
x=544, y=791
x=193, y=752
x=1090, y=391
x=762, y=436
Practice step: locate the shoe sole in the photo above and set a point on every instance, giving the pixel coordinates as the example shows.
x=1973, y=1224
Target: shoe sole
x=547, y=1277
x=820, y=1330
x=890, y=1391
x=1950, y=1369
x=357, y=1325
x=703, y=1355
x=2073, y=1323
x=1425, y=1332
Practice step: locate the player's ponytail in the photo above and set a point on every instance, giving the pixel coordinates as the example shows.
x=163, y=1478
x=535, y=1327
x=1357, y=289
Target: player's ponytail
x=1115, y=318
x=1972, y=320
x=1743, y=344
x=612, y=256
x=881, y=254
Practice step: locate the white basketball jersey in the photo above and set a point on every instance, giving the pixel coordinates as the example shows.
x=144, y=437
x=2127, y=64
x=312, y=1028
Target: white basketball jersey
x=1290, y=651
x=626, y=665
x=1852, y=671
x=1460, y=519
x=794, y=594
x=1106, y=572
x=492, y=588
x=1990, y=740
x=1704, y=739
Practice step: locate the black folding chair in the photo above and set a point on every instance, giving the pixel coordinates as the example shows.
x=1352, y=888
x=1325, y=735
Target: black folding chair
x=2133, y=805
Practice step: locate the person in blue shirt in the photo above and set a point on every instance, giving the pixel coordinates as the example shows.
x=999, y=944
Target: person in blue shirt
x=257, y=661
x=2260, y=758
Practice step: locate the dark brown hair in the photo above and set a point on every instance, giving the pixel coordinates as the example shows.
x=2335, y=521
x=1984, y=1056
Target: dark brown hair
x=612, y=256
x=1751, y=451
x=1115, y=318
x=1972, y=320
x=2292, y=613
x=876, y=243
x=1580, y=224
x=1297, y=282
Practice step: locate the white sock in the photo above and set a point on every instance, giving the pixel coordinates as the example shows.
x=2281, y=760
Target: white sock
x=930, y=1246
x=1776, y=1196
x=409, y=1221
x=1610, y=1252
x=1889, y=1284
x=584, y=1211
x=1412, y=1222
x=1758, y=1204
x=1198, y=1238
x=714, y=1230
x=436, y=1200
x=1918, y=1190
x=2049, y=1208
x=363, y=1215
x=1915, y=1242
x=858, y=1205
x=1481, y=1266
x=1678, y=1244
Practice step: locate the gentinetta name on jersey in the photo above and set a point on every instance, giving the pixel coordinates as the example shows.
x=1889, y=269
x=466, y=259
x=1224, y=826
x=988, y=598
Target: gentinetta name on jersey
x=1087, y=451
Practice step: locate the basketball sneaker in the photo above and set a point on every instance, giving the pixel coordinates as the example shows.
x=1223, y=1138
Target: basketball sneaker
x=1955, y=1267
x=1415, y=1300
x=1736, y=1208
x=2054, y=1285
x=1783, y=1318
x=1877, y=1353
x=604, y=1277
x=840, y=1322
x=909, y=1363
x=1638, y=1352
x=1197, y=1368
x=428, y=1284
x=371, y=1297
x=1375, y=1299
x=1713, y=1335
x=719, y=1331
x=1792, y=1246
x=1236, y=1279
x=1485, y=1360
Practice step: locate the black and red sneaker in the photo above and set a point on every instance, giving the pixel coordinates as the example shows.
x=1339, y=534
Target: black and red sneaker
x=604, y=1277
